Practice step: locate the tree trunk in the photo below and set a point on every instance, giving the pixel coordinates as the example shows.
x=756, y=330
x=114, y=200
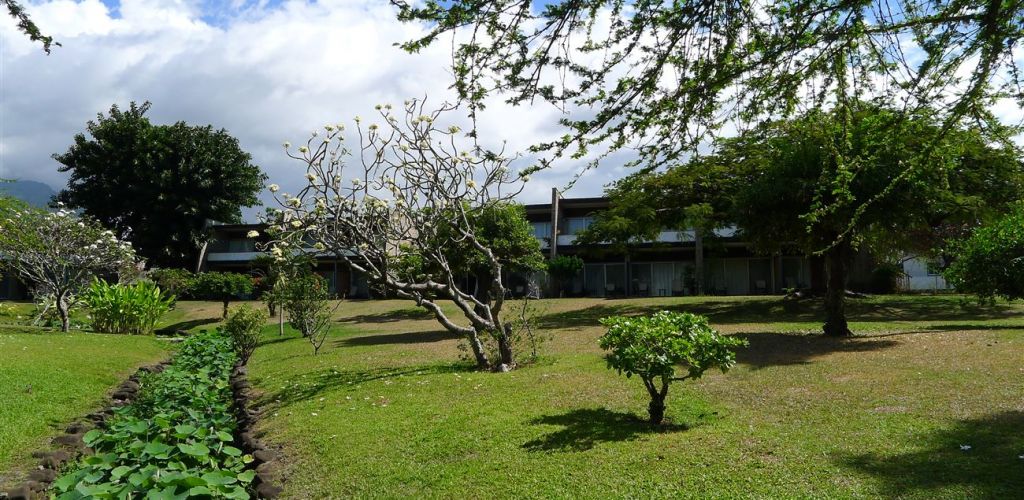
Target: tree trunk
x=225, y=315
x=656, y=408
x=478, y=351
x=280, y=324
x=836, y=267
x=508, y=359
x=62, y=310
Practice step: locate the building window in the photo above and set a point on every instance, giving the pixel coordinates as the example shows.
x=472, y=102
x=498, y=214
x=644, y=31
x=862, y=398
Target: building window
x=574, y=225
x=541, y=230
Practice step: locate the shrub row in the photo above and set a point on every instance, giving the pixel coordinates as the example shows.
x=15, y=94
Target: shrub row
x=176, y=439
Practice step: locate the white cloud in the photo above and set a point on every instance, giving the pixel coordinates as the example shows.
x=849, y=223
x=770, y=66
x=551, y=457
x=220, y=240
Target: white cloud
x=265, y=74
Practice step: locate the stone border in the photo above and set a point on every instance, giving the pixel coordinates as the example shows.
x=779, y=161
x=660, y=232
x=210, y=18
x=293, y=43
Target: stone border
x=266, y=460
x=69, y=446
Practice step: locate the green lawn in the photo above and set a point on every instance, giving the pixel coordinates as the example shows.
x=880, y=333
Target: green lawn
x=48, y=379
x=386, y=409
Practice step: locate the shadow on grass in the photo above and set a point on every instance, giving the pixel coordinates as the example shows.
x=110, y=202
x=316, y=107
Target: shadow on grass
x=174, y=328
x=588, y=427
x=770, y=309
x=782, y=349
x=316, y=383
x=407, y=314
x=991, y=468
x=397, y=338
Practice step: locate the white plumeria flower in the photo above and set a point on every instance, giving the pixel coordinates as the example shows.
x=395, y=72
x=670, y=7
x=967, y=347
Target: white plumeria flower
x=253, y=234
x=296, y=223
x=303, y=149
x=471, y=184
x=310, y=177
x=373, y=126
x=329, y=128
x=965, y=447
x=273, y=188
x=287, y=144
x=425, y=118
x=295, y=202
x=319, y=246
x=315, y=133
x=358, y=119
x=526, y=178
x=453, y=129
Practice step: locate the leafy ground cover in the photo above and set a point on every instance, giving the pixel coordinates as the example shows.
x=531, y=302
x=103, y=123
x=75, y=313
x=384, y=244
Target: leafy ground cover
x=173, y=441
x=49, y=378
x=926, y=402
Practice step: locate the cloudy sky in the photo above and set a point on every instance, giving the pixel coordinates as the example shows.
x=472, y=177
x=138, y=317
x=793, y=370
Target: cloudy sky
x=267, y=71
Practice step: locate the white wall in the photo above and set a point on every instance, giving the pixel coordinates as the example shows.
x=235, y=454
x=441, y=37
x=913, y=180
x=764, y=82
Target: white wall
x=918, y=277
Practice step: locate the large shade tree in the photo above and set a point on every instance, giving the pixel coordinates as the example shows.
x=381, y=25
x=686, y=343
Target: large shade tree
x=415, y=210
x=767, y=182
x=158, y=185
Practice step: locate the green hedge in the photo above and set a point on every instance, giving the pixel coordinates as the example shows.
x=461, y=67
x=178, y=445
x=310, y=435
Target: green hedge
x=175, y=440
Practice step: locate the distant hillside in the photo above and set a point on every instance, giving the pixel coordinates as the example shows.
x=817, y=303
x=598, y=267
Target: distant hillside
x=31, y=192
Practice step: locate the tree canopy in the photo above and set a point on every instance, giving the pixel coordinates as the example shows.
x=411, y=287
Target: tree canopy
x=991, y=261
x=158, y=185
x=27, y=26
x=664, y=76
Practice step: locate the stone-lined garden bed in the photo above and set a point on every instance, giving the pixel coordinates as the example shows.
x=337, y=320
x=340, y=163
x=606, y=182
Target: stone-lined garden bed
x=69, y=446
x=267, y=483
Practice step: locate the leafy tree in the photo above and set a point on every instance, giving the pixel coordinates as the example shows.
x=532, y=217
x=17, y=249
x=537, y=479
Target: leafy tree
x=244, y=327
x=60, y=253
x=779, y=203
x=991, y=261
x=651, y=347
x=158, y=185
x=562, y=269
x=26, y=26
x=307, y=303
x=768, y=181
x=223, y=287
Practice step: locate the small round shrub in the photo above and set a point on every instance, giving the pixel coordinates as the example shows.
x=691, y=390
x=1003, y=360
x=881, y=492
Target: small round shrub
x=244, y=327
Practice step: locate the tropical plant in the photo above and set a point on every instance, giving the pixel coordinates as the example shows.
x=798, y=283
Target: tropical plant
x=415, y=215
x=59, y=253
x=651, y=347
x=244, y=327
x=223, y=287
x=307, y=303
x=175, y=440
x=119, y=308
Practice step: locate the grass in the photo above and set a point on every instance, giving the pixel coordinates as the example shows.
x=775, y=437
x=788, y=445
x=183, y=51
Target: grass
x=387, y=409
x=48, y=379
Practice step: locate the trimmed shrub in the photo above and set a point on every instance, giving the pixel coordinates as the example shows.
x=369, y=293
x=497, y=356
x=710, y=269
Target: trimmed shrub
x=307, y=304
x=651, y=347
x=223, y=287
x=244, y=327
x=178, y=282
x=131, y=309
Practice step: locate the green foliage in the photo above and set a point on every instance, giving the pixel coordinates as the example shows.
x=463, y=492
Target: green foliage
x=119, y=308
x=664, y=77
x=244, y=327
x=158, y=185
x=991, y=261
x=27, y=26
x=177, y=282
x=886, y=278
x=651, y=347
x=223, y=287
x=175, y=440
x=307, y=303
x=563, y=268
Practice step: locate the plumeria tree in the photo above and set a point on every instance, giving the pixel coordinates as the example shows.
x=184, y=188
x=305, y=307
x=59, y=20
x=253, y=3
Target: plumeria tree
x=60, y=253
x=403, y=207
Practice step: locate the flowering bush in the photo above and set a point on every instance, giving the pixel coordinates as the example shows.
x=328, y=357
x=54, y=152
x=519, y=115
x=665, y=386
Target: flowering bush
x=651, y=347
x=59, y=253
